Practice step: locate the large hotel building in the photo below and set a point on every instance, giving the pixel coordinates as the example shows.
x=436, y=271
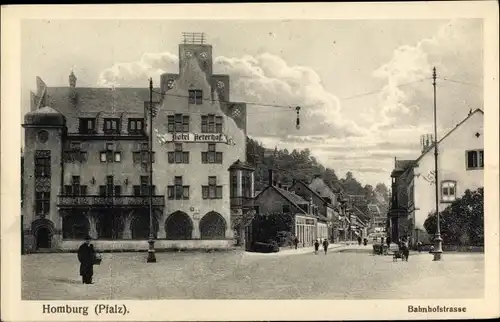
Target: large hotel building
x=86, y=161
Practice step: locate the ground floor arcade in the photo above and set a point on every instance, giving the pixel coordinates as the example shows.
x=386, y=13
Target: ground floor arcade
x=124, y=224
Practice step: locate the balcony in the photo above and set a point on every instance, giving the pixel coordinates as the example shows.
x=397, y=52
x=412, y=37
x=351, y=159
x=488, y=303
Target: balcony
x=109, y=201
x=242, y=202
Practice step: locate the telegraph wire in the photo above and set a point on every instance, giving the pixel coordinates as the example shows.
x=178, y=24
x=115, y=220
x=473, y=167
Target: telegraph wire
x=285, y=107
x=459, y=82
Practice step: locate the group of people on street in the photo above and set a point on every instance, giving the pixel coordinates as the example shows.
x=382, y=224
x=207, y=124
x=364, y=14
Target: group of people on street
x=325, y=245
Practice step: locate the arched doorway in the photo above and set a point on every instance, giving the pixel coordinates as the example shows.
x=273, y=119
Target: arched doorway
x=43, y=237
x=139, y=226
x=75, y=226
x=212, y=226
x=179, y=226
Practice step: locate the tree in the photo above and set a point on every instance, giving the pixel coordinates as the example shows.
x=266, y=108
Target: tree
x=462, y=222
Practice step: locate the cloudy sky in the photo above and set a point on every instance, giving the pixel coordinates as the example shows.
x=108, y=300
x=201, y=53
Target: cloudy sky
x=364, y=86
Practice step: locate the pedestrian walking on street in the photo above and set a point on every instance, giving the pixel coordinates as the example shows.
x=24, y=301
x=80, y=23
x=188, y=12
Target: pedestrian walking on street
x=382, y=240
x=86, y=257
x=296, y=242
x=316, y=246
x=405, y=249
x=419, y=246
x=359, y=240
x=325, y=245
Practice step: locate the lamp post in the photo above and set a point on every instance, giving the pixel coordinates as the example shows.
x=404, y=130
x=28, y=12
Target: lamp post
x=151, y=242
x=438, y=241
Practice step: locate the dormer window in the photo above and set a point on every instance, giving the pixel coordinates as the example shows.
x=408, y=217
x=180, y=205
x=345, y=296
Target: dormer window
x=195, y=96
x=111, y=126
x=87, y=126
x=135, y=126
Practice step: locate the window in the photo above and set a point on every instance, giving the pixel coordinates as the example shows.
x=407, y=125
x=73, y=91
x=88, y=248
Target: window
x=234, y=186
x=448, y=191
x=211, y=156
x=87, y=126
x=142, y=189
x=75, y=189
x=42, y=164
x=475, y=159
x=195, y=96
x=285, y=209
x=107, y=156
x=246, y=185
x=178, y=191
x=211, y=124
x=212, y=191
x=135, y=126
x=178, y=156
x=256, y=209
x=110, y=189
x=178, y=123
x=42, y=203
x=118, y=157
x=111, y=126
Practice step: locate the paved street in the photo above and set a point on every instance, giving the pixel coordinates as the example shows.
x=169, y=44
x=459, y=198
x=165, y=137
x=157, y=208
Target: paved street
x=239, y=275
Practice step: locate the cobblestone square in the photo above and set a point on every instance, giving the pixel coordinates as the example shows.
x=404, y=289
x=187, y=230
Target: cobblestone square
x=239, y=275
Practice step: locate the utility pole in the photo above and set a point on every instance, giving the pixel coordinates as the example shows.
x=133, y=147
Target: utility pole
x=151, y=242
x=438, y=241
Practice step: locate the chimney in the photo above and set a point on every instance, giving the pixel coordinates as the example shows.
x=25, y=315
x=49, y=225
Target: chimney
x=271, y=177
x=72, y=88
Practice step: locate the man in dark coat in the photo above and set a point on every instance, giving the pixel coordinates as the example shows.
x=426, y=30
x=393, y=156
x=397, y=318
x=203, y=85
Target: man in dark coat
x=86, y=257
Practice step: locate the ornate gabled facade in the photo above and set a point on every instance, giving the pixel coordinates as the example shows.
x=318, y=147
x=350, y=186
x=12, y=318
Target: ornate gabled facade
x=89, y=148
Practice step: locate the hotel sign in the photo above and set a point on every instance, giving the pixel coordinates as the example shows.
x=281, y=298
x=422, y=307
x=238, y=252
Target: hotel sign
x=194, y=138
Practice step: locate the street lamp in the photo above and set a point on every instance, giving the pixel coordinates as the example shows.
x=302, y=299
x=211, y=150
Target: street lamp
x=438, y=241
x=151, y=242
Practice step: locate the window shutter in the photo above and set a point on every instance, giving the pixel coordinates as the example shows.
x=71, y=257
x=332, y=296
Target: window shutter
x=219, y=192
x=185, y=156
x=204, y=158
x=204, y=192
x=171, y=157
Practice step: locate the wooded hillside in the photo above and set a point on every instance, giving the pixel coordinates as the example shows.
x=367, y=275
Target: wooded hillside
x=301, y=165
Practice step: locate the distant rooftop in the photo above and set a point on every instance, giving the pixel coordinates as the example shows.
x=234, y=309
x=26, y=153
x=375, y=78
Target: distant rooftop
x=198, y=38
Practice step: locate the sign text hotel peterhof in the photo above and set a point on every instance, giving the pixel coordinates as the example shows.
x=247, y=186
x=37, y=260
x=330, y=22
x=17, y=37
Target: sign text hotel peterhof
x=194, y=138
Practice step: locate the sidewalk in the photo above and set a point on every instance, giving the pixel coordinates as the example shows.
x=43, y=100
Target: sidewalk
x=285, y=251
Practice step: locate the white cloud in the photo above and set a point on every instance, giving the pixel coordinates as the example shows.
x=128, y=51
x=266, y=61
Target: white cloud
x=456, y=52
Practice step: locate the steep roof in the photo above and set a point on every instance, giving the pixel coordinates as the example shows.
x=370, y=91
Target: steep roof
x=290, y=197
x=313, y=192
x=319, y=186
x=478, y=110
x=415, y=162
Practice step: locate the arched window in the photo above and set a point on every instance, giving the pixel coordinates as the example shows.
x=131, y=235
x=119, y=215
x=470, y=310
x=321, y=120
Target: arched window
x=75, y=226
x=212, y=226
x=139, y=226
x=178, y=226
